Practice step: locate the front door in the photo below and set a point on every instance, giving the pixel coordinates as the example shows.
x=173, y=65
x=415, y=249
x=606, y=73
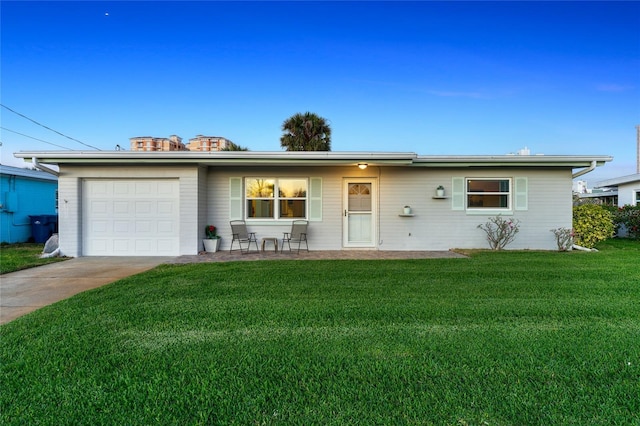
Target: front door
x=359, y=216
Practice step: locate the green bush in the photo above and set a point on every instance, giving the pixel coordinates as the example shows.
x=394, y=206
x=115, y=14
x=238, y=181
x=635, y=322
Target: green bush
x=592, y=224
x=629, y=217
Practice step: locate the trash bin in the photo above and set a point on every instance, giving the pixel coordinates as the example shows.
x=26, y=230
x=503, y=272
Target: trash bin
x=52, y=223
x=41, y=227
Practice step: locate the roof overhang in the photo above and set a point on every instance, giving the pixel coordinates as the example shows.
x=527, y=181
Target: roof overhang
x=26, y=173
x=308, y=158
x=618, y=181
x=221, y=158
x=567, y=161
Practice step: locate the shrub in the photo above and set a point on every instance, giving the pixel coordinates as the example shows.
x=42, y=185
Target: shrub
x=564, y=238
x=629, y=217
x=592, y=224
x=500, y=232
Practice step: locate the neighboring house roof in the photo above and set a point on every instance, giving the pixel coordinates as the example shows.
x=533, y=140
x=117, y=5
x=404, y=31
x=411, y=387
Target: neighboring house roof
x=618, y=181
x=26, y=173
x=311, y=158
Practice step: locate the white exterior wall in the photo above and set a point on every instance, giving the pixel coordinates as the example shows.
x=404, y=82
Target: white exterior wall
x=627, y=192
x=323, y=235
x=70, y=200
x=434, y=226
x=202, y=205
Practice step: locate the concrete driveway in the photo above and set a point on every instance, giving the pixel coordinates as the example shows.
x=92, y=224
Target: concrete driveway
x=25, y=291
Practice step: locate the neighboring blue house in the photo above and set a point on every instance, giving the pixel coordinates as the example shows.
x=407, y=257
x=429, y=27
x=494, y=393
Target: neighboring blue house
x=25, y=193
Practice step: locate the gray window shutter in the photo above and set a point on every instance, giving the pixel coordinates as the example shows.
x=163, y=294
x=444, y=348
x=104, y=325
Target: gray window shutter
x=235, y=198
x=520, y=194
x=457, y=193
x=315, y=199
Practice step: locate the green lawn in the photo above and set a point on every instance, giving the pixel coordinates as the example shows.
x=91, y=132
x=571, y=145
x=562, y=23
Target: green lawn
x=14, y=257
x=501, y=338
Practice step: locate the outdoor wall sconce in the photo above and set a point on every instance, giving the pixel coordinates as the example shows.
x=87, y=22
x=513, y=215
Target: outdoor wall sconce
x=362, y=166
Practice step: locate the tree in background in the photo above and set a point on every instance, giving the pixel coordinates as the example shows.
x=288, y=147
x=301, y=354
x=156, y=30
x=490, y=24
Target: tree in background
x=306, y=132
x=234, y=147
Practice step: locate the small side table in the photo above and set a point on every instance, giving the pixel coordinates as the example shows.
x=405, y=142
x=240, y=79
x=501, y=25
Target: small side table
x=273, y=240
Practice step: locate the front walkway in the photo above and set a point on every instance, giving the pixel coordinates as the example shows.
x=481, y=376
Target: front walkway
x=29, y=289
x=225, y=256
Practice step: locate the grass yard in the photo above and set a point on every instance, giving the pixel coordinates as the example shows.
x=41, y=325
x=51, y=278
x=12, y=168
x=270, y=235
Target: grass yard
x=14, y=257
x=500, y=338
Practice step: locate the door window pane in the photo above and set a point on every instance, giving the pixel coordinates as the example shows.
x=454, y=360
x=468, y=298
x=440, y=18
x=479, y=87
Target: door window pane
x=360, y=197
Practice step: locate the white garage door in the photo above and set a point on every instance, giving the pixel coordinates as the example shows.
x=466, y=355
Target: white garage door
x=131, y=217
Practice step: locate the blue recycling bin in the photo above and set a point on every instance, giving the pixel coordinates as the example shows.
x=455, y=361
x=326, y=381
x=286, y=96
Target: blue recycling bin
x=52, y=222
x=42, y=226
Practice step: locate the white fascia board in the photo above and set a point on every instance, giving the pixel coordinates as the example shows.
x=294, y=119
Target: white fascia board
x=311, y=158
x=318, y=158
x=573, y=161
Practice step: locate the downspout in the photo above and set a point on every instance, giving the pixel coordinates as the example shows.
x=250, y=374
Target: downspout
x=585, y=171
x=39, y=166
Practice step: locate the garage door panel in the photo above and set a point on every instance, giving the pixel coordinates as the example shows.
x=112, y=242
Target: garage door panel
x=121, y=207
x=143, y=208
x=145, y=188
x=131, y=217
x=122, y=227
x=99, y=207
x=99, y=245
x=99, y=226
x=99, y=188
x=120, y=246
x=165, y=208
x=145, y=227
x=144, y=245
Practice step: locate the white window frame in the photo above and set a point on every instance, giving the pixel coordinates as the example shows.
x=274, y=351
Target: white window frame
x=276, y=199
x=509, y=195
x=637, y=197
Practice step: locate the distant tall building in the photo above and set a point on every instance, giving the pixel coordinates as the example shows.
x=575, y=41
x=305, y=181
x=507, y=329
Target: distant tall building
x=207, y=143
x=149, y=143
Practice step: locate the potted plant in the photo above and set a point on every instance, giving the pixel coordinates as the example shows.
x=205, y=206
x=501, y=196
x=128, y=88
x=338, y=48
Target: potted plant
x=407, y=209
x=440, y=191
x=212, y=240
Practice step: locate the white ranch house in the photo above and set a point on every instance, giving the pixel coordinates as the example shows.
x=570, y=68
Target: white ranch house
x=627, y=189
x=122, y=203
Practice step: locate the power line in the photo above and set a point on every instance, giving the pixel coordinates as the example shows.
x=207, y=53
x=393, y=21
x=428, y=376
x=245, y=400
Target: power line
x=36, y=139
x=49, y=128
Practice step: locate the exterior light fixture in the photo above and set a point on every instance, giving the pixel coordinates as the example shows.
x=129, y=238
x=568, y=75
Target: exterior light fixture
x=362, y=166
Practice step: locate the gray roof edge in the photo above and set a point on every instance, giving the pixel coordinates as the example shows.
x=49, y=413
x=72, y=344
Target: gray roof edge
x=355, y=156
x=559, y=160
x=28, y=173
x=212, y=155
x=617, y=181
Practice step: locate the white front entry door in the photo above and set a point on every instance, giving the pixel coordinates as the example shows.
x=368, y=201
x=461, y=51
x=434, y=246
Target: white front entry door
x=359, y=217
x=130, y=217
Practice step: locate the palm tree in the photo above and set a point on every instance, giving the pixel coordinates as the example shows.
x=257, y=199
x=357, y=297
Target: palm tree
x=306, y=132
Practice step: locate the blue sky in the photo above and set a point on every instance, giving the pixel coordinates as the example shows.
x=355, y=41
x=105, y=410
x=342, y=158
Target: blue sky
x=436, y=78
